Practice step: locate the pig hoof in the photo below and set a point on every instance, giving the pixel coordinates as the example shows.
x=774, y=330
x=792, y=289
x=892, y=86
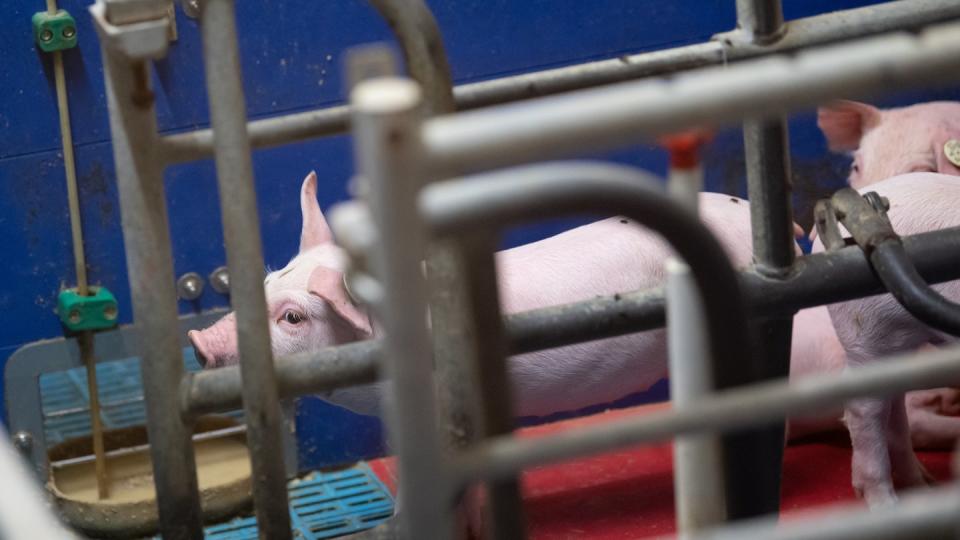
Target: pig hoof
x=880, y=498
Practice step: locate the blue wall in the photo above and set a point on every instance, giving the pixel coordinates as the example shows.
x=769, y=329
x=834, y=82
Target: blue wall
x=292, y=60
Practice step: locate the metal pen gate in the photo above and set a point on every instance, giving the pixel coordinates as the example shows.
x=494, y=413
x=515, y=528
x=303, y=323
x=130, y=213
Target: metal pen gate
x=399, y=148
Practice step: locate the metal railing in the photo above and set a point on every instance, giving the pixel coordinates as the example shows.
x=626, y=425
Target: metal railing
x=398, y=149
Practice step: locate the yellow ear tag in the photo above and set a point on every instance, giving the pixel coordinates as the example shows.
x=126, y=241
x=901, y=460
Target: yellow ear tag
x=951, y=149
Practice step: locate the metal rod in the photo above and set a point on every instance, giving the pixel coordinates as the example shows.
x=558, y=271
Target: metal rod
x=85, y=341
x=698, y=481
x=605, y=118
x=803, y=33
x=150, y=269
x=454, y=340
x=817, y=279
x=761, y=20
x=386, y=124
x=769, y=187
x=928, y=514
x=416, y=29
x=241, y=229
x=485, y=322
x=761, y=403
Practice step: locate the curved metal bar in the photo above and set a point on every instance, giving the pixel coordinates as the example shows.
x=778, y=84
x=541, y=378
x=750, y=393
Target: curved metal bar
x=529, y=193
x=875, y=235
x=419, y=37
x=523, y=194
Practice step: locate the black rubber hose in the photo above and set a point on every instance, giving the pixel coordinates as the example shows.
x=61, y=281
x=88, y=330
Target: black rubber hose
x=900, y=276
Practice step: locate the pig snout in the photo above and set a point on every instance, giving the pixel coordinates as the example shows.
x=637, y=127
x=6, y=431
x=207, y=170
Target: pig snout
x=216, y=346
x=200, y=349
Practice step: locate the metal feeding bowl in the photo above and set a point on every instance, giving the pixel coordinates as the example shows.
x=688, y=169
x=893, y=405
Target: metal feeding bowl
x=130, y=510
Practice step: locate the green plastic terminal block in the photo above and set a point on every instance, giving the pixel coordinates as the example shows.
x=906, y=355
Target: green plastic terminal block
x=95, y=312
x=54, y=32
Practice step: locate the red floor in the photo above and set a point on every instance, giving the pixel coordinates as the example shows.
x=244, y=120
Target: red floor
x=629, y=494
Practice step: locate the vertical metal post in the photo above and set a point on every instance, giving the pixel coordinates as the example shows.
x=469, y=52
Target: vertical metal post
x=761, y=21
x=146, y=239
x=766, y=150
x=484, y=322
x=388, y=152
x=241, y=230
x=698, y=479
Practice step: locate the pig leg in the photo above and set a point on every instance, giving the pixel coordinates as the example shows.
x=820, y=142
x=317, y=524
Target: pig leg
x=906, y=469
x=867, y=420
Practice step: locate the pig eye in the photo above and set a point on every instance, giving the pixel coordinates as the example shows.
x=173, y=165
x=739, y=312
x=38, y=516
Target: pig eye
x=855, y=168
x=292, y=317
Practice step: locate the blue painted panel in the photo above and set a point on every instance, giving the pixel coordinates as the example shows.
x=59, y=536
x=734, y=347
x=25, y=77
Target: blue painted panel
x=292, y=55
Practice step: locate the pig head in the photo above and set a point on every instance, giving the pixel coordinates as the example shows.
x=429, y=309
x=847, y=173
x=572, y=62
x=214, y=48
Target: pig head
x=308, y=305
x=891, y=142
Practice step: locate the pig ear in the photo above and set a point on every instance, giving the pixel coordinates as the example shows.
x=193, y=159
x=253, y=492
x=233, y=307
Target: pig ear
x=844, y=123
x=315, y=230
x=946, y=146
x=328, y=285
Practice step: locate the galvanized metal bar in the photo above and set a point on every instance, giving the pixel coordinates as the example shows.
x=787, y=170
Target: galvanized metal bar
x=241, y=229
x=767, y=158
x=509, y=197
x=760, y=20
x=146, y=238
x=484, y=320
x=698, y=475
x=817, y=279
x=802, y=33
x=605, y=118
x=926, y=514
x=416, y=29
x=386, y=125
x=738, y=408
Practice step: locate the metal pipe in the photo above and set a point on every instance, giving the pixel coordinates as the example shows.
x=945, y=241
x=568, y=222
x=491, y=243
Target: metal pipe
x=771, y=215
x=698, y=482
x=264, y=133
x=300, y=374
x=817, y=279
x=386, y=124
x=509, y=197
x=928, y=514
x=761, y=403
x=416, y=29
x=605, y=118
x=767, y=158
x=241, y=230
x=484, y=320
x=146, y=239
x=803, y=33
x=761, y=21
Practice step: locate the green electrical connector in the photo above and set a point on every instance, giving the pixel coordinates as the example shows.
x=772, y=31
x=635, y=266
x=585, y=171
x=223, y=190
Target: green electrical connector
x=95, y=312
x=54, y=32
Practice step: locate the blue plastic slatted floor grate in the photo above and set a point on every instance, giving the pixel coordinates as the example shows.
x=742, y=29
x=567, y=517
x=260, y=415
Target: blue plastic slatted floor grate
x=322, y=505
x=66, y=403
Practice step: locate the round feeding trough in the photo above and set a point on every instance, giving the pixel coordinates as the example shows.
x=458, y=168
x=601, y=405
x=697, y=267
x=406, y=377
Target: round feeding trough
x=130, y=510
